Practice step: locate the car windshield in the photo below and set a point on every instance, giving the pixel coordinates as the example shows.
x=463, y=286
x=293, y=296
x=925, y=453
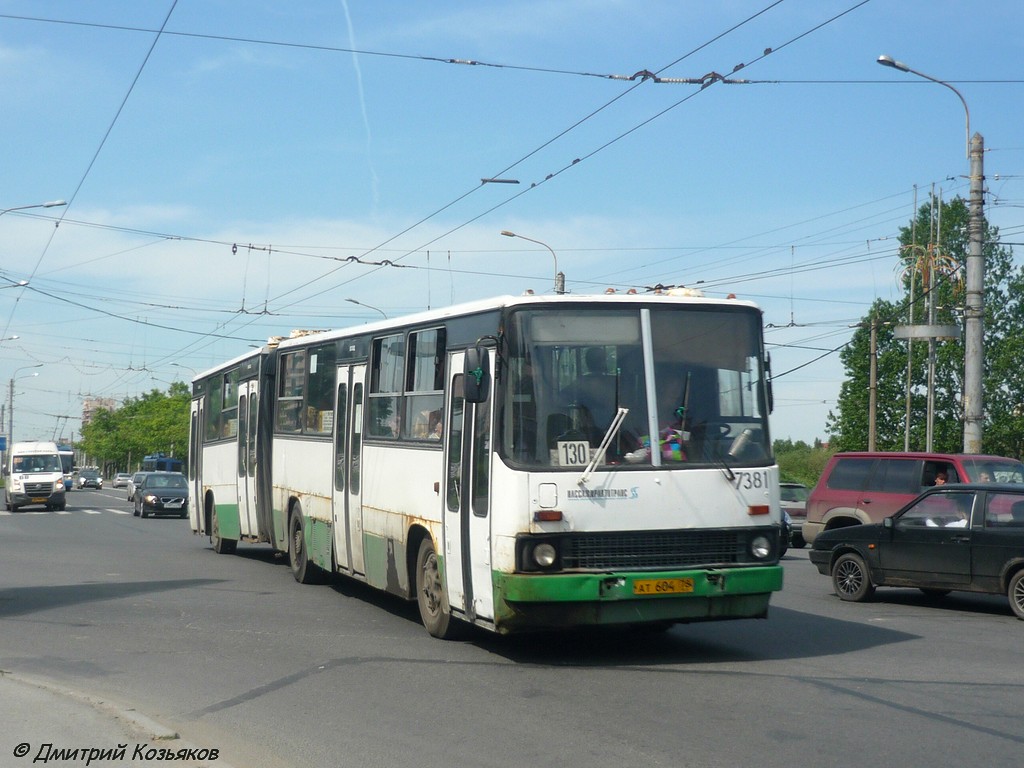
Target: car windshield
x=793, y=493
x=166, y=481
x=40, y=463
x=994, y=471
x=90, y=474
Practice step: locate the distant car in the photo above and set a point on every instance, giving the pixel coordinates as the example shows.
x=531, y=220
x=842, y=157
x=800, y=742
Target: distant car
x=133, y=484
x=89, y=478
x=794, y=501
x=120, y=480
x=162, y=493
x=966, y=537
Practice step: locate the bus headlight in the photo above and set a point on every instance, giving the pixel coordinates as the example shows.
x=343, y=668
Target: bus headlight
x=544, y=555
x=760, y=547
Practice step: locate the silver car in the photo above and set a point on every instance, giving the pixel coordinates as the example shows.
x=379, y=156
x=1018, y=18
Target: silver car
x=134, y=482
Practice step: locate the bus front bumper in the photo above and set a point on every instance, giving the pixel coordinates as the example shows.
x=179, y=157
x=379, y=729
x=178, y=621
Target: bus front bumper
x=575, y=599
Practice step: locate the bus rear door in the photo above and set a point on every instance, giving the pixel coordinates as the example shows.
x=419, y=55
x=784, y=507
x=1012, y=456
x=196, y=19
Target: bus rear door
x=348, y=442
x=248, y=408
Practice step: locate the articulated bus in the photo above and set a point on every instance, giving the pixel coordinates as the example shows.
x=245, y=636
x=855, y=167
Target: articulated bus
x=519, y=463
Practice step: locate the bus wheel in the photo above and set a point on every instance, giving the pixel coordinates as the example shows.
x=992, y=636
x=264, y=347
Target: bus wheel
x=303, y=570
x=431, y=596
x=220, y=546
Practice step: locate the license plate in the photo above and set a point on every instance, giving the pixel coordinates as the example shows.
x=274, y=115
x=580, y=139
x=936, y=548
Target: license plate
x=173, y=505
x=39, y=500
x=662, y=586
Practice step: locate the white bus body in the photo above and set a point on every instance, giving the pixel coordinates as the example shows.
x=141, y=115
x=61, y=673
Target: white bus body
x=494, y=461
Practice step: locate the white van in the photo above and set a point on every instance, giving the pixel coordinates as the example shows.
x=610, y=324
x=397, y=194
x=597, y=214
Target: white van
x=34, y=476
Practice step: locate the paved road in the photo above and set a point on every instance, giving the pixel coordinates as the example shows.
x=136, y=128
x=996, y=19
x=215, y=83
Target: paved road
x=233, y=654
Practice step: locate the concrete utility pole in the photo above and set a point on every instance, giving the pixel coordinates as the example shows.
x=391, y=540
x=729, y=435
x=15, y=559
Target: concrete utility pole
x=974, y=309
x=873, y=387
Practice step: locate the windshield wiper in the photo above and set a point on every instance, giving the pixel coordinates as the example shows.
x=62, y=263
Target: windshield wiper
x=598, y=456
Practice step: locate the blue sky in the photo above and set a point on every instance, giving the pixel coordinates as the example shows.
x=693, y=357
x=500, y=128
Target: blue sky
x=219, y=173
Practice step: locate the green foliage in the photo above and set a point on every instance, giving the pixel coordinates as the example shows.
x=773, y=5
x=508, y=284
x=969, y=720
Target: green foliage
x=935, y=270
x=800, y=462
x=152, y=423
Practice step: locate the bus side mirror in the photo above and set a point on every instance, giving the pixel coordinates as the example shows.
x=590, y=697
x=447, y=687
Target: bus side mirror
x=477, y=378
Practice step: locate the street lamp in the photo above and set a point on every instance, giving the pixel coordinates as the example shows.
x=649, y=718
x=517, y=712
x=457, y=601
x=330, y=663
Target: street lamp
x=974, y=332
x=51, y=204
x=186, y=367
x=559, y=277
x=375, y=309
x=10, y=400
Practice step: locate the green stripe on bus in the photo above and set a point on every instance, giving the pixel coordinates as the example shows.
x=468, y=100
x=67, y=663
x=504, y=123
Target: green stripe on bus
x=567, y=600
x=575, y=587
x=227, y=521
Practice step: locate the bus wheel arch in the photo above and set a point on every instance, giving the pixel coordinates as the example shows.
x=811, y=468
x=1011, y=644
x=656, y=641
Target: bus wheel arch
x=431, y=594
x=303, y=569
x=221, y=545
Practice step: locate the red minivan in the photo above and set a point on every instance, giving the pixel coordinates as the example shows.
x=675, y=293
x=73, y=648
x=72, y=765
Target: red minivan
x=867, y=487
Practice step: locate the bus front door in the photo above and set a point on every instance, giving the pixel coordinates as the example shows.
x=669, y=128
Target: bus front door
x=467, y=521
x=348, y=443
x=248, y=402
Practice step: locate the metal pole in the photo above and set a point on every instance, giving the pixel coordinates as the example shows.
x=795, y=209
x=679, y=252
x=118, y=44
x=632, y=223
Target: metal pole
x=873, y=387
x=974, y=350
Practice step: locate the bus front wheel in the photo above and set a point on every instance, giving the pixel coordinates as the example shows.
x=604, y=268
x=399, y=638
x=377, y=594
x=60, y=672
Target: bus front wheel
x=431, y=596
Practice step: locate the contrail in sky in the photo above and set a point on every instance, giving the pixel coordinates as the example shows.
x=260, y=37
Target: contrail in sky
x=362, y=103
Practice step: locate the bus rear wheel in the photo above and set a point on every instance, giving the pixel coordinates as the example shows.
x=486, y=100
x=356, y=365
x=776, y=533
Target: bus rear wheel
x=221, y=545
x=303, y=570
x=431, y=596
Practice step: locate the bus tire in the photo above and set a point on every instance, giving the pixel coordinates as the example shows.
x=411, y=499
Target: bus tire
x=431, y=596
x=220, y=545
x=303, y=570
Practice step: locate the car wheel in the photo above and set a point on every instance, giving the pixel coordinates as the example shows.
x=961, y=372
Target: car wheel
x=431, y=596
x=797, y=541
x=1016, y=594
x=303, y=570
x=145, y=512
x=850, y=578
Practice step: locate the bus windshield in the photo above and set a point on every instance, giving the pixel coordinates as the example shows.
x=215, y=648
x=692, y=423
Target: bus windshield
x=699, y=387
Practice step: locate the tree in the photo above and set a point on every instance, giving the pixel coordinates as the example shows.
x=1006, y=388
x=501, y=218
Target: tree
x=933, y=272
x=152, y=423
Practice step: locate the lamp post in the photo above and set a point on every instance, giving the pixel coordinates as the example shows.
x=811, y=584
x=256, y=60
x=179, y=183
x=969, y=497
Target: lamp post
x=10, y=400
x=974, y=332
x=375, y=309
x=559, y=277
x=51, y=204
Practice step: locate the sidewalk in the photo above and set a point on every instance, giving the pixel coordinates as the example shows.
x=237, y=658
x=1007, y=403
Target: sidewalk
x=34, y=713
